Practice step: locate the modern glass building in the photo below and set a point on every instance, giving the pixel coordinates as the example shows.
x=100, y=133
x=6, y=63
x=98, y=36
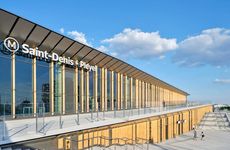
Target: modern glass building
x=72, y=96
x=41, y=70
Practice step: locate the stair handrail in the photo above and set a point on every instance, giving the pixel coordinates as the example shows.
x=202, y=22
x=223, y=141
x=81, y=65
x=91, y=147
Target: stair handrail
x=217, y=122
x=125, y=139
x=228, y=118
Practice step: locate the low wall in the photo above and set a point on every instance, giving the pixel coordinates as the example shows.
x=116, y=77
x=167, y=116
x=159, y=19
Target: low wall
x=153, y=129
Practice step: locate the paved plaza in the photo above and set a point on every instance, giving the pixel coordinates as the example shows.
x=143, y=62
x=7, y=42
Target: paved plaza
x=214, y=140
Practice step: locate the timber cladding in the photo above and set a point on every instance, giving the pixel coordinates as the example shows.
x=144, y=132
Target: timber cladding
x=153, y=129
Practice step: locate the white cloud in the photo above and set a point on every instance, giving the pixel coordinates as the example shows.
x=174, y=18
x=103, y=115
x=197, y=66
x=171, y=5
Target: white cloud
x=62, y=30
x=211, y=46
x=114, y=54
x=134, y=43
x=161, y=57
x=102, y=49
x=222, y=81
x=79, y=36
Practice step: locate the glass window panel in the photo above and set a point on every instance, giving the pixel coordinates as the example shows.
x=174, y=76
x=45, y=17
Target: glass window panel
x=79, y=93
x=123, y=88
x=69, y=90
x=128, y=93
x=5, y=82
x=43, y=86
x=57, y=88
x=115, y=91
x=23, y=86
x=91, y=97
x=85, y=91
x=108, y=91
x=99, y=88
x=134, y=93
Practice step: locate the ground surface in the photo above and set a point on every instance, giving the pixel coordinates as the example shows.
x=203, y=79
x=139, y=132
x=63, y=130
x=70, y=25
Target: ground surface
x=214, y=140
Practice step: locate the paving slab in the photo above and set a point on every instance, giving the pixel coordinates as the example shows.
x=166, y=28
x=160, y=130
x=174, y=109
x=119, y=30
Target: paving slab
x=214, y=140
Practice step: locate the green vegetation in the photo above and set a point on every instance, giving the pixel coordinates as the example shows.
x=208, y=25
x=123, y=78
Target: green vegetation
x=225, y=108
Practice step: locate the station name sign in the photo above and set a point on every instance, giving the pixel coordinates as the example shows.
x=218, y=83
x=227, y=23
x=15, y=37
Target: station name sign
x=13, y=46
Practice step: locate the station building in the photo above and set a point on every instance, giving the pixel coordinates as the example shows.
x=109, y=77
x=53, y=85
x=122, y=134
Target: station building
x=42, y=70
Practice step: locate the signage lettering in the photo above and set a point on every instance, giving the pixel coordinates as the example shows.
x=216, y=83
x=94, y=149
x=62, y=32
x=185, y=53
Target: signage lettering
x=12, y=45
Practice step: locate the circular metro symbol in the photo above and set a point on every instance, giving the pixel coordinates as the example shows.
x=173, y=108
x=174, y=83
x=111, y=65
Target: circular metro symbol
x=11, y=44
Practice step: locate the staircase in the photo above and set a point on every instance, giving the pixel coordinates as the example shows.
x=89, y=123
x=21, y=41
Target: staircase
x=215, y=120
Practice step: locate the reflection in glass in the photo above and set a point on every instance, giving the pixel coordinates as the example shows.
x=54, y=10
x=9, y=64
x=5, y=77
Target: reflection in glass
x=5, y=81
x=99, y=88
x=43, y=86
x=23, y=86
x=69, y=90
x=57, y=88
x=108, y=90
x=115, y=91
x=91, y=98
x=124, y=92
x=133, y=96
x=128, y=93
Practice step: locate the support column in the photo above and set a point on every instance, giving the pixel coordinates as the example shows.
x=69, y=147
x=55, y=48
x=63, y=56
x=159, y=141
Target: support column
x=112, y=89
x=76, y=89
x=122, y=91
x=82, y=90
x=51, y=78
x=87, y=91
x=95, y=90
x=118, y=91
x=106, y=97
x=63, y=89
x=146, y=95
x=140, y=94
x=157, y=96
x=126, y=92
x=143, y=94
x=34, y=88
x=137, y=91
x=131, y=93
x=13, y=85
x=102, y=88
x=152, y=96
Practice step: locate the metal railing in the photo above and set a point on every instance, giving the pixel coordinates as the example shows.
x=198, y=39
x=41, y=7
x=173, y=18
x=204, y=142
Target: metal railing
x=102, y=142
x=42, y=122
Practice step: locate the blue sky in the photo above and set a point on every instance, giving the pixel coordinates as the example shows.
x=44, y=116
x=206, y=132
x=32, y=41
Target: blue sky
x=185, y=43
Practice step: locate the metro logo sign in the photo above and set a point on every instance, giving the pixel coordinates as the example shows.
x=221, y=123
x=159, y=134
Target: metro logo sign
x=12, y=45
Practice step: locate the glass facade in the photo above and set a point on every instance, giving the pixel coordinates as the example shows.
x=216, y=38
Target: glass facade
x=55, y=88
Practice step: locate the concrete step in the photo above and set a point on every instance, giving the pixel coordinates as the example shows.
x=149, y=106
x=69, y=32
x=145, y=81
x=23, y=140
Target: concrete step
x=215, y=114
x=215, y=120
x=215, y=125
